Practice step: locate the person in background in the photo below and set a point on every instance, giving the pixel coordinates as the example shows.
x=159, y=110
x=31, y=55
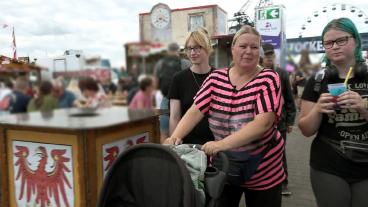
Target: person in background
x=91, y=91
x=164, y=71
x=65, y=98
x=286, y=123
x=339, y=152
x=43, y=101
x=19, y=100
x=6, y=90
x=186, y=84
x=144, y=97
x=108, y=86
x=73, y=87
x=302, y=74
x=243, y=105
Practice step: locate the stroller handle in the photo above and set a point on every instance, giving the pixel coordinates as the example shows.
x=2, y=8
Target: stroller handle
x=221, y=155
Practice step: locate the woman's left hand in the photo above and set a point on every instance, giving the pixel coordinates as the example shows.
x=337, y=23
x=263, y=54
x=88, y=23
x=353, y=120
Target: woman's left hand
x=213, y=147
x=351, y=100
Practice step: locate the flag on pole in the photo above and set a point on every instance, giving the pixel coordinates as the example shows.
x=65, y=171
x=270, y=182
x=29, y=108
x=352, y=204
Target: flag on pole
x=5, y=26
x=14, y=47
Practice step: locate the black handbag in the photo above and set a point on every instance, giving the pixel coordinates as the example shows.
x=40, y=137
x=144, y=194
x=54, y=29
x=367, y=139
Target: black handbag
x=242, y=166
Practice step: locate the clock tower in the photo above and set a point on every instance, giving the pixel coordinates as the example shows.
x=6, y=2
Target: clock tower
x=160, y=18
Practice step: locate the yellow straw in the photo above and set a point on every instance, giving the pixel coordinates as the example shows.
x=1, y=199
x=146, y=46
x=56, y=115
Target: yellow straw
x=348, y=76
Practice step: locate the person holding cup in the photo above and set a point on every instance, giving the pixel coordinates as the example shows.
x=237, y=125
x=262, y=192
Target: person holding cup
x=337, y=112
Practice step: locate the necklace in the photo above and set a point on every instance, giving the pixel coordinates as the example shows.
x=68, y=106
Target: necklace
x=195, y=79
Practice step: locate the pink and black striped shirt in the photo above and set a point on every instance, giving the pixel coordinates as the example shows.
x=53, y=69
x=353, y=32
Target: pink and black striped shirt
x=229, y=109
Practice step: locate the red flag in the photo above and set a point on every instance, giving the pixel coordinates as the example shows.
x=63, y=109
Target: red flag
x=14, y=47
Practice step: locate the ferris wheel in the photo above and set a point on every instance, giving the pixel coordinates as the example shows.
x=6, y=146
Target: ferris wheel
x=327, y=13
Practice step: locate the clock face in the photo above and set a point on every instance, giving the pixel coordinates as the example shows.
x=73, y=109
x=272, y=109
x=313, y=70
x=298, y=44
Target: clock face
x=160, y=17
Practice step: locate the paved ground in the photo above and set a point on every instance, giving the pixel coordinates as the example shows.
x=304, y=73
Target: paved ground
x=297, y=149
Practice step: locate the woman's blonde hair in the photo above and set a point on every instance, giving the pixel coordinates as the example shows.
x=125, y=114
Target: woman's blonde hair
x=200, y=37
x=246, y=29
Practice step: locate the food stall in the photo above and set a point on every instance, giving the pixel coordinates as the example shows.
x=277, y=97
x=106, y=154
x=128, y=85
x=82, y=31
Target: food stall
x=60, y=158
x=10, y=68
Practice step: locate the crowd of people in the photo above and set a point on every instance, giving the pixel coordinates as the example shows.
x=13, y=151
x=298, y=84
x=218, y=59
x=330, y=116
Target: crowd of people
x=246, y=110
x=20, y=96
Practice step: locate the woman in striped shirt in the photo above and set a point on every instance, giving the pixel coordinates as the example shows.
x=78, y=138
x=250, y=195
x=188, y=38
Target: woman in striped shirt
x=243, y=104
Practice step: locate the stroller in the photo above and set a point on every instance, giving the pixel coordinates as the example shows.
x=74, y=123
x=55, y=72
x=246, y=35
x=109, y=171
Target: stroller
x=153, y=175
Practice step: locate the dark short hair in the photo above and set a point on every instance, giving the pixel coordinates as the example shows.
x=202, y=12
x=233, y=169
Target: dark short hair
x=173, y=47
x=145, y=82
x=8, y=83
x=45, y=87
x=88, y=84
x=268, y=49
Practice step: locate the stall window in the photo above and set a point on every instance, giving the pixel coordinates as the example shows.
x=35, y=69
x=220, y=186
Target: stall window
x=196, y=21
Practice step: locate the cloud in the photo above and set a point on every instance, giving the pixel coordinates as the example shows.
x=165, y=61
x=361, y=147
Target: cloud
x=48, y=28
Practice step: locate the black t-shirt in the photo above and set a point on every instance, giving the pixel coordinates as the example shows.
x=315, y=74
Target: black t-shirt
x=184, y=87
x=346, y=124
x=18, y=102
x=301, y=82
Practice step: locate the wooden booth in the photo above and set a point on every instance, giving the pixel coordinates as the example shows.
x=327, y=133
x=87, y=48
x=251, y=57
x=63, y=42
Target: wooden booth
x=60, y=158
x=10, y=68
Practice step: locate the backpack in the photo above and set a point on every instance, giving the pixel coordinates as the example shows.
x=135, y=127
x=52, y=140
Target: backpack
x=170, y=66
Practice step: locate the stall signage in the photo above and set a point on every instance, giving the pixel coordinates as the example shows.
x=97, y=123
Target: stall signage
x=273, y=13
x=43, y=174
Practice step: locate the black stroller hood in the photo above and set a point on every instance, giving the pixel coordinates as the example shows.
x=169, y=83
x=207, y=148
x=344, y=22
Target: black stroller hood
x=149, y=175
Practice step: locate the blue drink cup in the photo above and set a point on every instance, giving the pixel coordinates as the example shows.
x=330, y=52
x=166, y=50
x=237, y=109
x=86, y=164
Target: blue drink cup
x=335, y=90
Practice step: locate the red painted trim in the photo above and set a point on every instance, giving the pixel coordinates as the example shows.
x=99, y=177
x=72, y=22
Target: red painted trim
x=191, y=8
x=199, y=7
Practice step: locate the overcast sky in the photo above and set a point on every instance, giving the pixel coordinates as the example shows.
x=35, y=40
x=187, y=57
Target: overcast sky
x=46, y=28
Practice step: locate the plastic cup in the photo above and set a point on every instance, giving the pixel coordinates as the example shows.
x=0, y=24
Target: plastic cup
x=335, y=90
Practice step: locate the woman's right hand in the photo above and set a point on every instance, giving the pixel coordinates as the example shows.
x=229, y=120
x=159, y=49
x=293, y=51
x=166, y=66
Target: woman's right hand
x=172, y=141
x=325, y=104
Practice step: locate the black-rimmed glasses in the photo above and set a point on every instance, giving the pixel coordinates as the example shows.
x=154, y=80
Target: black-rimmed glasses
x=196, y=49
x=339, y=41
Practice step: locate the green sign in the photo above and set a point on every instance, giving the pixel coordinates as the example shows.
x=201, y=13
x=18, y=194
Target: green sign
x=269, y=14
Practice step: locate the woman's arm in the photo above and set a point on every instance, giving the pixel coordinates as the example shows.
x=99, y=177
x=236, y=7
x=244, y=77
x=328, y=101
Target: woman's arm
x=175, y=114
x=191, y=118
x=311, y=113
x=252, y=131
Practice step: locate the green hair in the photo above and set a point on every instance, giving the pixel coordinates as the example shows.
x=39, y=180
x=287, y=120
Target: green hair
x=346, y=25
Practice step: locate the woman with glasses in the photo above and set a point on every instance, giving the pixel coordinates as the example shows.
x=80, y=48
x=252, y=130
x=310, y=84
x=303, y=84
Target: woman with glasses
x=339, y=152
x=186, y=84
x=243, y=107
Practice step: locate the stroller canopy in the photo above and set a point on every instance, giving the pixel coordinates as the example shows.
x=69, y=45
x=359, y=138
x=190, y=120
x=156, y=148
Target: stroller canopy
x=148, y=175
